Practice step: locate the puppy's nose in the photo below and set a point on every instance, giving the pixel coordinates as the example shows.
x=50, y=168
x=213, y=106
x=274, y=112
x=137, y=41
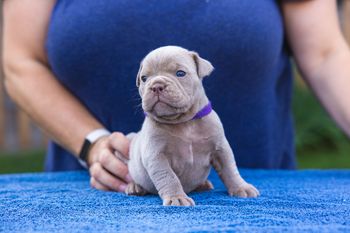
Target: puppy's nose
x=158, y=88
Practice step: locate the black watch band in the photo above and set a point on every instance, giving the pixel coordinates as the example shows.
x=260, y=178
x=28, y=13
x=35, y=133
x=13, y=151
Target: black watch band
x=84, y=153
x=89, y=140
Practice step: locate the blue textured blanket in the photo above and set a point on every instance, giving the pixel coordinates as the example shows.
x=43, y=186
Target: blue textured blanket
x=298, y=201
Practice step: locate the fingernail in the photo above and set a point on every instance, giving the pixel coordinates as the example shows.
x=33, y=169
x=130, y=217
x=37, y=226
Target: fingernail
x=128, y=178
x=122, y=188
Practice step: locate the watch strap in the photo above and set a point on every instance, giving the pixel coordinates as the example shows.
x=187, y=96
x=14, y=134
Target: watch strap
x=97, y=134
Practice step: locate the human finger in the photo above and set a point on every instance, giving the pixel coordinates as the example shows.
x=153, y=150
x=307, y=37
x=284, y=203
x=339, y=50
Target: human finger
x=97, y=185
x=120, y=142
x=106, y=179
x=115, y=166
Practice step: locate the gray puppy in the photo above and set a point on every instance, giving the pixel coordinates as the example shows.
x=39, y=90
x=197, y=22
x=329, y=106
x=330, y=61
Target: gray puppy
x=181, y=136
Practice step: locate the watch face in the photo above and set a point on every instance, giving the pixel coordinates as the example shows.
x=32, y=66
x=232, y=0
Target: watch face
x=84, y=150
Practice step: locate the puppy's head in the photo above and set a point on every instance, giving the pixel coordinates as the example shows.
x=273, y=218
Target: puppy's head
x=170, y=83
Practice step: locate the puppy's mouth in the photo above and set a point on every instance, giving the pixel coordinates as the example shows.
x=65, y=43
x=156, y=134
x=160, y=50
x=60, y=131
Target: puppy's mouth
x=162, y=108
x=165, y=109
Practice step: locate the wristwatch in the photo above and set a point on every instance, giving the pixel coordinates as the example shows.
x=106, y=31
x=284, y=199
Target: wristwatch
x=90, y=139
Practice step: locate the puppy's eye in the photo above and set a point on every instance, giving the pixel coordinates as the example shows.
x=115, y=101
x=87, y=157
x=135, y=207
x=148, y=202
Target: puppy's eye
x=180, y=73
x=144, y=78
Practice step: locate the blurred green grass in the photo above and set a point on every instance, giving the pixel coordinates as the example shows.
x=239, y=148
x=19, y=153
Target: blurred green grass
x=319, y=143
x=23, y=161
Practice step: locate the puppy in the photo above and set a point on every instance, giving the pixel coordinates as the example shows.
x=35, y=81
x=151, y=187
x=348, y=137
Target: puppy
x=181, y=136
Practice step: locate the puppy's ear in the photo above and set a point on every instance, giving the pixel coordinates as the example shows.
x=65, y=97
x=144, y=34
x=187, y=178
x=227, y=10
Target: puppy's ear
x=138, y=78
x=204, y=67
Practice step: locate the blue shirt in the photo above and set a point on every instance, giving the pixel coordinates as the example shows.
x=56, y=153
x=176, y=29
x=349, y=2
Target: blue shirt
x=95, y=47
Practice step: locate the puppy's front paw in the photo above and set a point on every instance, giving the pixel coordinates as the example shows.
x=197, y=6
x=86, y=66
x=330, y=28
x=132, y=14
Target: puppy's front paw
x=179, y=200
x=244, y=190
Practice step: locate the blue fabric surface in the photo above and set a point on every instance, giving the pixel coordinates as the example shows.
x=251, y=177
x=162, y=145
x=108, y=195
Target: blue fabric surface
x=95, y=47
x=298, y=201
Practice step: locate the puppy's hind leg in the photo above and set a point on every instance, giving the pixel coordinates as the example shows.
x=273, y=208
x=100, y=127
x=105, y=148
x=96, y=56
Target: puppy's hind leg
x=206, y=186
x=135, y=189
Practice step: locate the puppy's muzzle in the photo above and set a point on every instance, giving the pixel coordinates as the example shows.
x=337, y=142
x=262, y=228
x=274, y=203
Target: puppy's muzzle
x=158, y=88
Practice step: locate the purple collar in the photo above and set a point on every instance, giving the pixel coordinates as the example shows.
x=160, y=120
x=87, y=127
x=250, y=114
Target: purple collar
x=201, y=113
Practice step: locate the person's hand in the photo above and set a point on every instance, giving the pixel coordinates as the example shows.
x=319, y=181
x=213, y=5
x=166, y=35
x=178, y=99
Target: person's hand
x=108, y=171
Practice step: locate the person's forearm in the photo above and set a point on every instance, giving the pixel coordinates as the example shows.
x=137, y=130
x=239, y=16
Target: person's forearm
x=33, y=87
x=313, y=31
x=330, y=80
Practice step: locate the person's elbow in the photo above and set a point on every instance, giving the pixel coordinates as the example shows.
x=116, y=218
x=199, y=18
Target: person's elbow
x=314, y=58
x=11, y=69
x=17, y=69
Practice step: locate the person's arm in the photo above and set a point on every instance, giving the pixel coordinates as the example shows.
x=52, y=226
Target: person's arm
x=321, y=53
x=31, y=84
